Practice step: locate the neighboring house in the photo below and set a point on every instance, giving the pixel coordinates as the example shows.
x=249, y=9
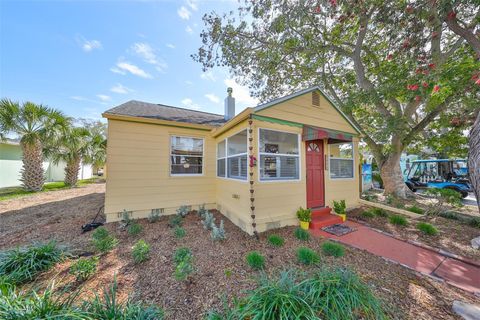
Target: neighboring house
x=11, y=166
x=257, y=168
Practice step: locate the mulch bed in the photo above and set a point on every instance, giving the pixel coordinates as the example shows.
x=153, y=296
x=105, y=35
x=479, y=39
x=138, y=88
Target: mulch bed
x=453, y=236
x=221, y=272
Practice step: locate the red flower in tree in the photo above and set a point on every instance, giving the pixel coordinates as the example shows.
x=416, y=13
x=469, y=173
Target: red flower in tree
x=333, y=3
x=389, y=56
x=436, y=88
x=425, y=84
x=317, y=9
x=451, y=15
x=418, y=71
x=477, y=82
x=431, y=65
x=409, y=9
x=418, y=98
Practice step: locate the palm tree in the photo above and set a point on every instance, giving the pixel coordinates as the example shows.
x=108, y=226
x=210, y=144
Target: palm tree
x=34, y=124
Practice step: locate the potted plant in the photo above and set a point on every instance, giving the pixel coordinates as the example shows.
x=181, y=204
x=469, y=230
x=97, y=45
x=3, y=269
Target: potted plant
x=305, y=216
x=340, y=209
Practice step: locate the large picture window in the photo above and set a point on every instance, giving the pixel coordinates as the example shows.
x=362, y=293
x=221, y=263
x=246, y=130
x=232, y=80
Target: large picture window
x=341, y=160
x=279, y=155
x=232, y=157
x=186, y=156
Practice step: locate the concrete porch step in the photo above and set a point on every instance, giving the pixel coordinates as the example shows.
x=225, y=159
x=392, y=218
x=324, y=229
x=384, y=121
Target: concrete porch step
x=319, y=222
x=321, y=212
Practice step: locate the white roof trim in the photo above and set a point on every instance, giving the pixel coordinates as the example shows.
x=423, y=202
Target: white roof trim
x=299, y=93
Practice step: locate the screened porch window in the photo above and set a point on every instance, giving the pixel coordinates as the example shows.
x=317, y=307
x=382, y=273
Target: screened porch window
x=232, y=157
x=341, y=160
x=186, y=156
x=279, y=155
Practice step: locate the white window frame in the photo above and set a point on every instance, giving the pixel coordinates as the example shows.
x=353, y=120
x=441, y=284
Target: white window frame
x=336, y=158
x=170, y=157
x=226, y=156
x=259, y=154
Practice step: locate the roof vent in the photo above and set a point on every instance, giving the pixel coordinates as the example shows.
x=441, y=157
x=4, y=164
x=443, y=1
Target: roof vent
x=229, y=105
x=315, y=99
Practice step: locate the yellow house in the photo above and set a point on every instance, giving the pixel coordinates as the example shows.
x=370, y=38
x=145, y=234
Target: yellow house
x=257, y=168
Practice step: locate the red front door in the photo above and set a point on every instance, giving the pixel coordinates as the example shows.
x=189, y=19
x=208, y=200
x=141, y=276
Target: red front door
x=315, y=167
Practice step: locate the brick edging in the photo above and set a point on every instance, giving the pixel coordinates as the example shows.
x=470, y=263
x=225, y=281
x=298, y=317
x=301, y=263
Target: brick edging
x=441, y=252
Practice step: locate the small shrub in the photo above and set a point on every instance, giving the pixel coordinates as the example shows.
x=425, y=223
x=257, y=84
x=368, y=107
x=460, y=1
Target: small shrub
x=183, y=259
x=126, y=218
x=368, y=214
x=339, y=206
x=427, y=228
x=154, y=216
x=416, y=209
x=398, y=220
x=181, y=254
x=333, y=249
x=307, y=256
x=140, y=251
x=218, y=233
x=228, y=273
x=443, y=197
x=370, y=197
x=209, y=221
x=134, y=229
x=302, y=234
x=202, y=210
x=449, y=215
x=255, y=260
x=84, y=268
x=474, y=222
x=379, y=212
x=23, y=264
x=175, y=221
x=276, y=240
x=103, y=241
x=389, y=199
x=304, y=215
x=179, y=232
x=182, y=211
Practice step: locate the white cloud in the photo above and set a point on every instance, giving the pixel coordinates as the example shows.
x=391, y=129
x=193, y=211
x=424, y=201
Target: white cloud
x=188, y=103
x=184, y=13
x=103, y=97
x=123, y=67
x=119, y=88
x=147, y=53
x=88, y=45
x=189, y=30
x=241, y=94
x=170, y=45
x=189, y=82
x=212, y=97
x=192, y=4
x=208, y=76
x=80, y=98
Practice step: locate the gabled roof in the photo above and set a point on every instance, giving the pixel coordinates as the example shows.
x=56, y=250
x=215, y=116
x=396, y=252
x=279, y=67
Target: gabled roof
x=299, y=93
x=147, y=110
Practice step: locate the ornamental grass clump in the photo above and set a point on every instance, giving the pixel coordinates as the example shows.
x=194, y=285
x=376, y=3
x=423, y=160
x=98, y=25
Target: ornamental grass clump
x=379, y=212
x=23, y=264
x=218, y=233
x=103, y=241
x=276, y=240
x=307, y=256
x=208, y=221
x=140, y=251
x=302, y=234
x=368, y=214
x=398, y=220
x=154, y=216
x=134, y=229
x=183, y=260
x=427, y=229
x=416, y=209
x=179, y=232
x=183, y=211
x=255, y=260
x=175, y=221
x=84, y=268
x=333, y=249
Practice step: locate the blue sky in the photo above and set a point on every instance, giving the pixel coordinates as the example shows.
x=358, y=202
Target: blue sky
x=84, y=57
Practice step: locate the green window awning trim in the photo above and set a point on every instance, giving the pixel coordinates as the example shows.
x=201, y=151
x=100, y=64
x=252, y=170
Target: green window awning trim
x=278, y=121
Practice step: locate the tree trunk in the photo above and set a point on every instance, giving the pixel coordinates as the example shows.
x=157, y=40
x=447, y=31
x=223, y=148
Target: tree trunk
x=474, y=159
x=32, y=169
x=71, y=172
x=392, y=176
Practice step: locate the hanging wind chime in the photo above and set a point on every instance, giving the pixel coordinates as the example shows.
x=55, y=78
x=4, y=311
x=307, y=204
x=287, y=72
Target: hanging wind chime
x=252, y=164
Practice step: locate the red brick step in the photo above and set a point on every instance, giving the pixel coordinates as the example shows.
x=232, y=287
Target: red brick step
x=321, y=212
x=319, y=222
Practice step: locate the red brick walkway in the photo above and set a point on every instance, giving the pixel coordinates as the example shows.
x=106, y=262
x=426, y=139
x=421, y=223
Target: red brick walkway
x=455, y=272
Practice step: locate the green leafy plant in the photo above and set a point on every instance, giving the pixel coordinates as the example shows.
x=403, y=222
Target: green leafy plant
x=154, y=216
x=202, y=210
x=368, y=214
x=339, y=207
x=416, y=209
x=443, y=199
x=427, y=229
x=228, y=273
x=389, y=199
x=183, y=259
x=23, y=264
x=301, y=234
x=370, y=197
x=304, y=215
x=255, y=260
x=474, y=222
x=208, y=221
x=126, y=218
x=84, y=268
x=398, y=220
x=181, y=254
x=103, y=241
x=333, y=249
x=134, y=229
x=276, y=240
x=218, y=233
x=179, y=232
x=307, y=256
x=379, y=212
x=183, y=211
x=175, y=221
x=140, y=251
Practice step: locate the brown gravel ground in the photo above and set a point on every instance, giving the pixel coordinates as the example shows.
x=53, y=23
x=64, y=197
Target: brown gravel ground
x=405, y=294
x=452, y=236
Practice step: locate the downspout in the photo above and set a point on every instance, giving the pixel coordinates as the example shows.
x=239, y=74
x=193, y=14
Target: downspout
x=252, y=165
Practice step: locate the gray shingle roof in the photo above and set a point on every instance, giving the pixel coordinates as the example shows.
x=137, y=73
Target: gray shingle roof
x=141, y=109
